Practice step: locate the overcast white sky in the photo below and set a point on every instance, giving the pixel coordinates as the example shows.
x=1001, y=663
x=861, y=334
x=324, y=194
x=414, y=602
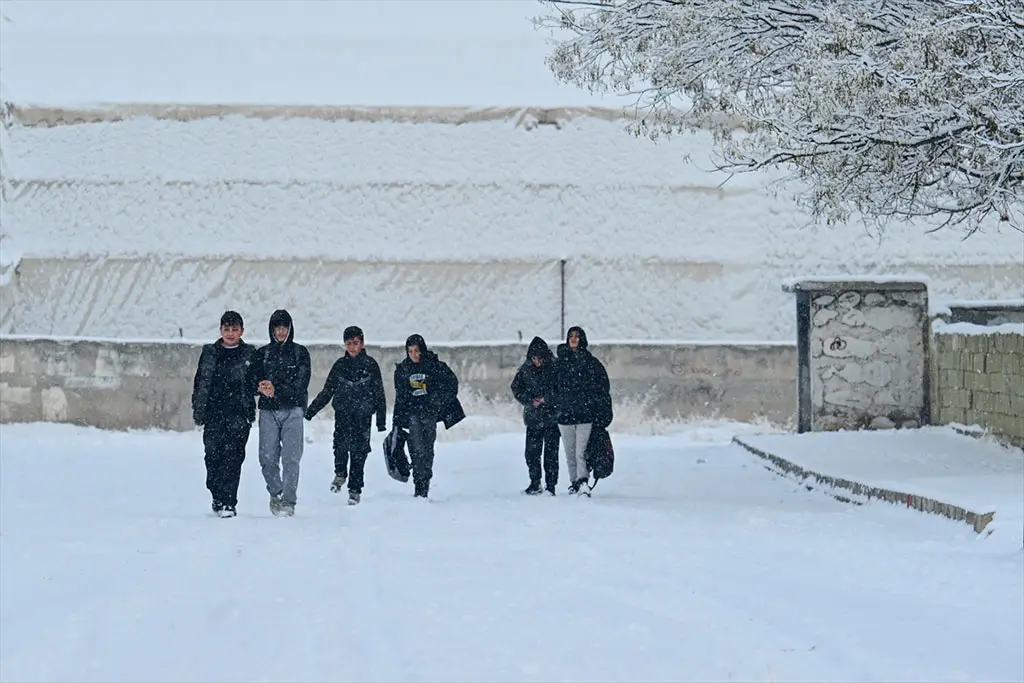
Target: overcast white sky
x=397, y=52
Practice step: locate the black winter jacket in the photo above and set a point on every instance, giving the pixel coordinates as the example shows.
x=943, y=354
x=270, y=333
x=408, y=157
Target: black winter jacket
x=225, y=383
x=428, y=389
x=355, y=388
x=532, y=382
x=584, y=393
x=286, y=365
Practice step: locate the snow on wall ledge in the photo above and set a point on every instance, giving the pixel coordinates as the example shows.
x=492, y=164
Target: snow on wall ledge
x=452, y=221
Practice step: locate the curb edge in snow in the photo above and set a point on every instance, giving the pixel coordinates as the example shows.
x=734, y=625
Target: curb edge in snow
x=859, y=491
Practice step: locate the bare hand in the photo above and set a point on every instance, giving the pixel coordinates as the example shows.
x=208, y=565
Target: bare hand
x=537, y=402
x=266, y=388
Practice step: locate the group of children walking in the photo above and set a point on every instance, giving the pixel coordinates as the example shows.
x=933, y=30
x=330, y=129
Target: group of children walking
x=563, y=397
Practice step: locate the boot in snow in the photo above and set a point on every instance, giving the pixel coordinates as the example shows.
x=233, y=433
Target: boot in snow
x=338, y=483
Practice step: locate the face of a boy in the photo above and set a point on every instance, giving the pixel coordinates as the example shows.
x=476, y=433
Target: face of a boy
x=353, y=346
x=230, y=334
x=281, y=333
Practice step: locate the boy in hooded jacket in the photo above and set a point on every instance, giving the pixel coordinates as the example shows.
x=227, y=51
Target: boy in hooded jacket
x=356, y=392
x=534, y=386
x=426, y=392
x=284, y=371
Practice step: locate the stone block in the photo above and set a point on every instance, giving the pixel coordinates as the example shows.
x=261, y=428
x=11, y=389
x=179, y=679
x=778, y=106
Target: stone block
x=994, y=361
x=997, y=382
x=978, y=361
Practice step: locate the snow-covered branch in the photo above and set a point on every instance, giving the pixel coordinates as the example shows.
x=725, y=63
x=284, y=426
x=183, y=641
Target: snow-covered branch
x=886, y=108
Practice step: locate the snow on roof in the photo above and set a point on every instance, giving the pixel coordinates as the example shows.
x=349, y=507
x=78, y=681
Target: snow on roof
x=404, y=53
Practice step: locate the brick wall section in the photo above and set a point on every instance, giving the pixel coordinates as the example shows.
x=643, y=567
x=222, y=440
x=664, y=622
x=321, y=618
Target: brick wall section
x=978, y=379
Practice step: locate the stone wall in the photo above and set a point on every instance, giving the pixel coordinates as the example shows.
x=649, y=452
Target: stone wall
x=864, y=355
x=978, y=379
x=137, y=385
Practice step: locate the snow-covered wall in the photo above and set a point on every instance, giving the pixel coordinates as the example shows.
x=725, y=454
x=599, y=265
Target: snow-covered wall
x=379, y=163
x=151, y=220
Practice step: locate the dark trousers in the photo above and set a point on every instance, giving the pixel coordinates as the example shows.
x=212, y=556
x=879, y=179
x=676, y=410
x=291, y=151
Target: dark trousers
x=542, y=438
x=351, y=446
x=422, y=434
x=224, y=440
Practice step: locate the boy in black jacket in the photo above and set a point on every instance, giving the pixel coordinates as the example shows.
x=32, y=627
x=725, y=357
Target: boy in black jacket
x=224, y=405
x=426, y=392
x=356, y=391
x=534, y=387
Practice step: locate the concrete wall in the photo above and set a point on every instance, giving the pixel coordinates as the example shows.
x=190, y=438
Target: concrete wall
x=978, y=379
x=125, y=385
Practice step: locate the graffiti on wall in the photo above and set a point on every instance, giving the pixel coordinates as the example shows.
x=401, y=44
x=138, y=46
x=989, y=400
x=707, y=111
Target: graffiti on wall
x=867, y=358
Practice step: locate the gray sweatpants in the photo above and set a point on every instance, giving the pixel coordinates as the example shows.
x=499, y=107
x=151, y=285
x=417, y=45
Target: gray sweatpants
x=575, y=438
x=281, y=449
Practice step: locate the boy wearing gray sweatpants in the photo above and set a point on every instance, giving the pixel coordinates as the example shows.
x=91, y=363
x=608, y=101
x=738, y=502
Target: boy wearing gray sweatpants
x=284, y=389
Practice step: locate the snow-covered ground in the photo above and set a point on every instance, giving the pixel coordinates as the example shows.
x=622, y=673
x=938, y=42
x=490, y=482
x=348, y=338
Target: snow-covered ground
x=691, y=563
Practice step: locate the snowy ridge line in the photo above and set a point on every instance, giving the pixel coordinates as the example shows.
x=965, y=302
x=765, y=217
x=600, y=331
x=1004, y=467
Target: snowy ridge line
x=941, y=327
x=915, y=278
x=986, y=303
x=391, y=344
x=858, y=492
x=48, y=115
x=25, y=183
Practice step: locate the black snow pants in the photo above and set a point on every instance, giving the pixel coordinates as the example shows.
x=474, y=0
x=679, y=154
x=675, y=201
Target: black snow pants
x=224, y=440
x=351, y=446
x=543, y=438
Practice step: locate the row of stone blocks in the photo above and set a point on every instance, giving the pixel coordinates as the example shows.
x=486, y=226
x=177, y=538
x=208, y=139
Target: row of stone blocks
x=979, y=379
x=850, y=491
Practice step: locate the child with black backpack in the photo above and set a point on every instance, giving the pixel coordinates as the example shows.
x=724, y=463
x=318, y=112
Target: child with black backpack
x=356, y=392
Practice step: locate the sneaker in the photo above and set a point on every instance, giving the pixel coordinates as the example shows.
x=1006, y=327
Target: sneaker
x=217, y=507
x=574, y=487
x=353, y=498
x=550, y=489
x=533, y=489
x=583, y=488
x=287, y=510
x=227, y=511
x=338, y=483
x=275, y=505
